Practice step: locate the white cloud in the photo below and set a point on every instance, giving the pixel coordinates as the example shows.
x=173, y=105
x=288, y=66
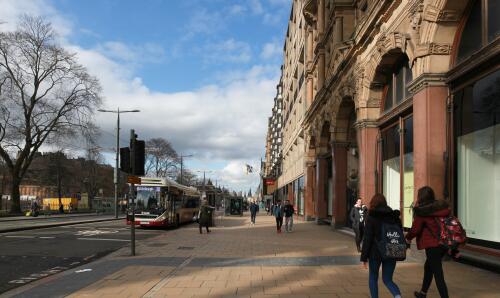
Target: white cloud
x=272, y=50
x=229, y=50
x=10, y=11
x=145, y=53
x=256, y=6
x=225, y=122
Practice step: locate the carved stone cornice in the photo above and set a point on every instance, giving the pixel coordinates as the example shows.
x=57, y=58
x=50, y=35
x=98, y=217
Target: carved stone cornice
x=310, y=10
x=426, y=80
x=434, y=14
x=366, y=123
x=433, y=48
x=311, y=164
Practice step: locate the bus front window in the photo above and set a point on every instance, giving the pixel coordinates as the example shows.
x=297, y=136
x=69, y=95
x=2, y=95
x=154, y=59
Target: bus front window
x=147, y=199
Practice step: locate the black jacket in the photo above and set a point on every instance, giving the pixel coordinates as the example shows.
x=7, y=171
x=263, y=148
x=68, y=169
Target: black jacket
x=254, y=208
x=373, y=225
x=288, y=210
x=358, y=215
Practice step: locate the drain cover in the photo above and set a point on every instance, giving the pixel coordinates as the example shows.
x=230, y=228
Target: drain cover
x=185, y=247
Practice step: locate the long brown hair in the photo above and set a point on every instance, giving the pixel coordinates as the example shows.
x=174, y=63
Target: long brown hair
x=378, y=200
x=425, y=196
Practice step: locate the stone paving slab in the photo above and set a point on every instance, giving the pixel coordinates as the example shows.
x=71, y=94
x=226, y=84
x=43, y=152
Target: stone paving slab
x=239, y=260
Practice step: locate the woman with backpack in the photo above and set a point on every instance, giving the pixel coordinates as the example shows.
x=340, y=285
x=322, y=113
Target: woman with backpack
x=382, y=222
x=426, y=228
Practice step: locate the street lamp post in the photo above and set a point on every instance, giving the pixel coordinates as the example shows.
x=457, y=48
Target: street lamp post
x=182, y=159
x=117, y=157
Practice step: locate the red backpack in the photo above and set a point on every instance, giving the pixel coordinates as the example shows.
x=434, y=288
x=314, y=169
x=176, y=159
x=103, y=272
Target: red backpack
x=451, y=234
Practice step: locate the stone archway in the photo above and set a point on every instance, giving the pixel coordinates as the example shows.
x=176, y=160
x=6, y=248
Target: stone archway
x=345, y=165
x=323, y=188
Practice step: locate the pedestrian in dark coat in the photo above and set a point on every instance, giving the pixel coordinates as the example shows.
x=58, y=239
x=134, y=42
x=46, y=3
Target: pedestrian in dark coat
x=378, y=214
x=288, y=210
x=204, y=216
x=357, y=216
x=278, y=214
x=254, y=208
x=425, y=228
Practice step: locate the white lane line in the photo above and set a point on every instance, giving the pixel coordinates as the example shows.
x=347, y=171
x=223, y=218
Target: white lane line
x=20, y=237
x=89, y=257
x=47, y=237
x=104, y=239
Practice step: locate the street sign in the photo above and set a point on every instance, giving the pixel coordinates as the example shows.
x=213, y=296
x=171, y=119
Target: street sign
x=134, y=180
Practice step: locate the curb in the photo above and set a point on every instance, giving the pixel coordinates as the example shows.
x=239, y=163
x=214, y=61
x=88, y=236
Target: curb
x=57, y=225
x=43, y=217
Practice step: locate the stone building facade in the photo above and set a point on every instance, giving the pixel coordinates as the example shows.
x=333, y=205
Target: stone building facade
x=402, y=94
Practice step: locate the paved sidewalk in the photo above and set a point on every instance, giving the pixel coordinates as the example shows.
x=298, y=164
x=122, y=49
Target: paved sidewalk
x=240, y=260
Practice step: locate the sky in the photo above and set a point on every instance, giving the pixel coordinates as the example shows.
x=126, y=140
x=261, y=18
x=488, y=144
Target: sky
x=202, y=72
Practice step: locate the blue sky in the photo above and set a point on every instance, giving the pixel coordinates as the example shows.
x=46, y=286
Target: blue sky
x=183, y=41
x=202, y=72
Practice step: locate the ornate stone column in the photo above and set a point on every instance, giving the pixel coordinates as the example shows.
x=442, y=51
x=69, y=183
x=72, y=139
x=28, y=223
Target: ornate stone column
x=429, y=131
x=321, y=18
x=309, y=66
x=320, y=188
x=339, y=164
x=339, y=30
x=310, y=182
x=367, y=143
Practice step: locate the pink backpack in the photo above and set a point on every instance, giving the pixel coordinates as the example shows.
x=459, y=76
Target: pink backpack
x=451, y=234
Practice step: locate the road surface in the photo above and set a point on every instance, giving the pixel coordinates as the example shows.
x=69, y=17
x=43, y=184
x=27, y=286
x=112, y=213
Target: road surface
x=29, y=255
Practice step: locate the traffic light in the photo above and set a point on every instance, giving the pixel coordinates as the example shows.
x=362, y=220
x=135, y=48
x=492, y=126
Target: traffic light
x=139, y=157
x=125, y=160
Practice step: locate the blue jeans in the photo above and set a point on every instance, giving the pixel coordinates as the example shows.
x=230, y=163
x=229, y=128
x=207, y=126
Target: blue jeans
x=388, y=267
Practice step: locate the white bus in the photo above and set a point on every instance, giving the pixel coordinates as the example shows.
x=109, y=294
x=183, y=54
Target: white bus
x=161, y=202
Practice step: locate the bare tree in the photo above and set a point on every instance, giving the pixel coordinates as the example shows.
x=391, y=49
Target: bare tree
x=91, y=164
x=161, y=158
x=44, y=93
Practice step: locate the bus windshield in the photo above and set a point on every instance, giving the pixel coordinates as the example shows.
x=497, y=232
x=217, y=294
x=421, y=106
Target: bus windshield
x=148, y=200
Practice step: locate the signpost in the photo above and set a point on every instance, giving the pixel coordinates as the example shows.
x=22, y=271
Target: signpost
x=132, y=162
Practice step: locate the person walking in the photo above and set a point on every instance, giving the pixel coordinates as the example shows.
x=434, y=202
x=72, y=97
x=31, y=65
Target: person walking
x=278, y=214
x=357, y=216
x=204, y=216
x=254, y=208
x=426, y=229
x=289, y=211
x=379, y=215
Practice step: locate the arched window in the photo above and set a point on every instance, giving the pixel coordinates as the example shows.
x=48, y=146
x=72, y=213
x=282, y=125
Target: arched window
x=482, y=27
x=396, y=86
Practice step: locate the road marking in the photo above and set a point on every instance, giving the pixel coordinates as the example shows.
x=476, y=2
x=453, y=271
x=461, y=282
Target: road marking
x=83, y=270
x=95, y=232
x=47, y=237
x=74, y=263
x=89, y=257
x=104, y=239
x=36, y=276
x=20, y=237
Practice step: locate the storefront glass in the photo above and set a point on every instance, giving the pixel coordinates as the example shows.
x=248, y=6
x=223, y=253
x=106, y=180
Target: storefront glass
x=391, y=169
x=408, y=182
x=477, y=139
x=300, y=193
